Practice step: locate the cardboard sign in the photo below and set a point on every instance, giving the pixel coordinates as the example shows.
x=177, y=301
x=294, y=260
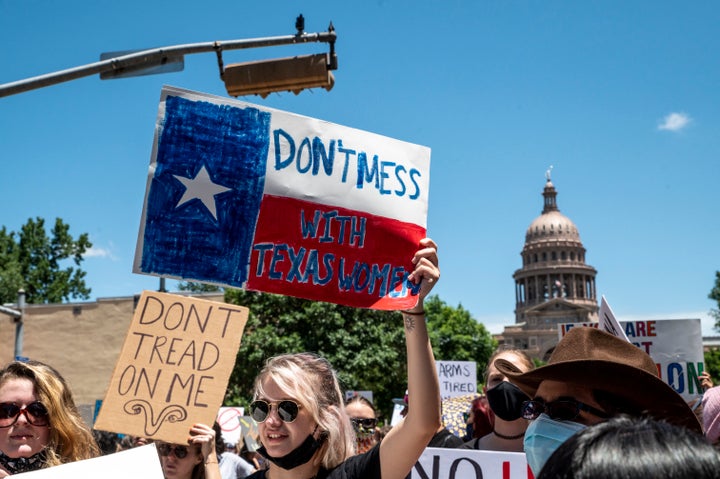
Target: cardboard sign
x=246, y=196
x=173, y=368
x=674, y=344
x=438, y=463
x=457, y=378
x=138, y=462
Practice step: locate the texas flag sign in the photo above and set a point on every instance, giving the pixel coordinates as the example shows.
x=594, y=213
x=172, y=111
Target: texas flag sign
x=246, y=196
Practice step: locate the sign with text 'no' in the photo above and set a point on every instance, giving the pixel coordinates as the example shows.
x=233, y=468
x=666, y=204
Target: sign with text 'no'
x=173, y=368
x=246, y=196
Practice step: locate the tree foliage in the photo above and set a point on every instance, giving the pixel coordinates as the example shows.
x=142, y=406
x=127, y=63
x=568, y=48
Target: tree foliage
x=366, y=347
x=197, y=287
x=712, y=364
x=715, y=296
x=38, y=263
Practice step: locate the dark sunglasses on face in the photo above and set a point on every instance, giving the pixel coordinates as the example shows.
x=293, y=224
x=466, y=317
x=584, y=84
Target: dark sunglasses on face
x=35, y=413
x=367, y=423
x=165, y=449
x=287, y=410
x=564, y=409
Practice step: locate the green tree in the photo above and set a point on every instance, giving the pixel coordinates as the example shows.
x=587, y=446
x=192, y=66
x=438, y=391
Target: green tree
x=456, y=336
x=712, y=364
x=366, y=347
x=715, y=296
x=33, y=261
x=196, y=287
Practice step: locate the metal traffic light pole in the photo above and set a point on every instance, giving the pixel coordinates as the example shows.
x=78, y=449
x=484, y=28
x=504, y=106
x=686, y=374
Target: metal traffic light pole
x=144, y=61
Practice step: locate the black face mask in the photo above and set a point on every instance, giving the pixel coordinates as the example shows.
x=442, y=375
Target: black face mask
x=506, y=400
x=298, y=456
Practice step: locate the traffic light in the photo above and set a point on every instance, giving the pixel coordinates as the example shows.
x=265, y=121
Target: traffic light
x=284, y=74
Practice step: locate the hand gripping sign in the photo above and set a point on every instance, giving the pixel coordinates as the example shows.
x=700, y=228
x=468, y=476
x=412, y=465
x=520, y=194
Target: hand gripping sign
x=246, y=196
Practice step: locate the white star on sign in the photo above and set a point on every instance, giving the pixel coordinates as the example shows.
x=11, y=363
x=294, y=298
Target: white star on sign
x=202, y=188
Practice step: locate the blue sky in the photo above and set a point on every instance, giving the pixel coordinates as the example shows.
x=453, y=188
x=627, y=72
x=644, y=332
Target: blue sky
x=621, y=97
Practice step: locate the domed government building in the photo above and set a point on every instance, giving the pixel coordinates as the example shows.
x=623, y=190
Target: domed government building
x=554, y=285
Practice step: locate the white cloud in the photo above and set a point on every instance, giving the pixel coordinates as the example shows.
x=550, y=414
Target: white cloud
x=674, y=122
x=98, y=253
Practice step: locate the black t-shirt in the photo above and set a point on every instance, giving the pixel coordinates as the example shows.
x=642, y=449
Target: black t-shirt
x=362, y=466
x=445, y=438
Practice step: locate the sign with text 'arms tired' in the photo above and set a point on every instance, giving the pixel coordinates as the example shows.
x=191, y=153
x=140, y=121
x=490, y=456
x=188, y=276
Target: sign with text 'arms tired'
x=246, y=196
x=173, y=368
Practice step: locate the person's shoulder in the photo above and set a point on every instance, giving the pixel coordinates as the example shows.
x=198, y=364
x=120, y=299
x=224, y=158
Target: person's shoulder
x=471, y=444
x=257, y=475
x=446, y=439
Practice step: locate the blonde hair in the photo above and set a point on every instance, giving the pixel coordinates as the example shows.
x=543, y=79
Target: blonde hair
x=313, y=383
x=70, y=439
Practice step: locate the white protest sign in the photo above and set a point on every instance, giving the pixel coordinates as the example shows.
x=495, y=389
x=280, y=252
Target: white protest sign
x=674, y=344
x=229, y=420
x=608, y=322
x=138, y=462
x=457, y=378
x=247, y=196
x=439, y=463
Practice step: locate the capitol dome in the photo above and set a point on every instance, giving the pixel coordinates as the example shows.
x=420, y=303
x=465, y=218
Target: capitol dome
x=551, y=224
x=554, y=286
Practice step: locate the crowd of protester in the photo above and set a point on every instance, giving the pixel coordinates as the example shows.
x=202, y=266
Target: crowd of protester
x=597, y=402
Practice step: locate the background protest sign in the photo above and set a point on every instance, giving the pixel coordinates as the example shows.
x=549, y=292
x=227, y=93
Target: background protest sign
x=440, y=463
x=138, y=462
x=173, y=368
x=457, y=378
x=246, y=196
x=674, y=344
x=608, y=322
x=228, y=419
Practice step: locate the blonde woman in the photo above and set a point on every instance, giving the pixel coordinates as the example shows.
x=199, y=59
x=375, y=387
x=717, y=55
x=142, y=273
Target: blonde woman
x=304, y=429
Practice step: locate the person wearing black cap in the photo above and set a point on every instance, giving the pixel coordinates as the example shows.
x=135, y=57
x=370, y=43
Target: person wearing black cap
x=591, y=376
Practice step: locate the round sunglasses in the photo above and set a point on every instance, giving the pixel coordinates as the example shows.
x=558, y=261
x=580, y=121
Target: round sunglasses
x=367, y=423
x=287, y=410
x=564, y=409
x=164, y=449
x=35, y=413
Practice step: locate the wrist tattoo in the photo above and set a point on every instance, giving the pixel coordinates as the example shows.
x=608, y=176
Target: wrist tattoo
x=409, y=323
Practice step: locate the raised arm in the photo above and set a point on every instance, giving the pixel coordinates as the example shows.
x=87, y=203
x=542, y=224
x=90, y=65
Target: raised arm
x=205, y=436
x=405, y=442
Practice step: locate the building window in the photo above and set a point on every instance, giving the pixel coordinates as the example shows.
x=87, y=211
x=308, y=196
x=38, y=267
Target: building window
x=533, y=341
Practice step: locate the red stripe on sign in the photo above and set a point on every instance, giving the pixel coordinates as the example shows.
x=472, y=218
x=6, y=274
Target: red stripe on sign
x=333, y=254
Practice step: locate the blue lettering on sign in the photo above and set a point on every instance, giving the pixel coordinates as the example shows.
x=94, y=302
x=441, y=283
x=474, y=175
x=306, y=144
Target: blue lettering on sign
x=311, y=156
x=283, y=262
x=350, y=230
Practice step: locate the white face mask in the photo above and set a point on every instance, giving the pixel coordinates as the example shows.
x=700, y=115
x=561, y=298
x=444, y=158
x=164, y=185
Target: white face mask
x=543, y=437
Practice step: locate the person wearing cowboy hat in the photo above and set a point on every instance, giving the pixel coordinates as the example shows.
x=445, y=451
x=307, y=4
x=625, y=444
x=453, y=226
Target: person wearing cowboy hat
x=591, y=376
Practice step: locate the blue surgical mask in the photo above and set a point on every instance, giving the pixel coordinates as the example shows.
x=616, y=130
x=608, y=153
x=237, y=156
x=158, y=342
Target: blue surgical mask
x=543, y=436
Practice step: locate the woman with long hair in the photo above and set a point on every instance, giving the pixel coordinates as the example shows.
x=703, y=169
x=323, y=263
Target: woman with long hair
x=303, y=427
x=40, y=425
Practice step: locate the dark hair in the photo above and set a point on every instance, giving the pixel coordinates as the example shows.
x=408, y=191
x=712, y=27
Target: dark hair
x=362, y=400
x=108, y=442
x=633, y=448
x=219, y=440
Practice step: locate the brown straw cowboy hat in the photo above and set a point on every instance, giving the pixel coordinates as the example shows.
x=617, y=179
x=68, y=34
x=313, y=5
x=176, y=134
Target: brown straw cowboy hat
x=598, y=360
